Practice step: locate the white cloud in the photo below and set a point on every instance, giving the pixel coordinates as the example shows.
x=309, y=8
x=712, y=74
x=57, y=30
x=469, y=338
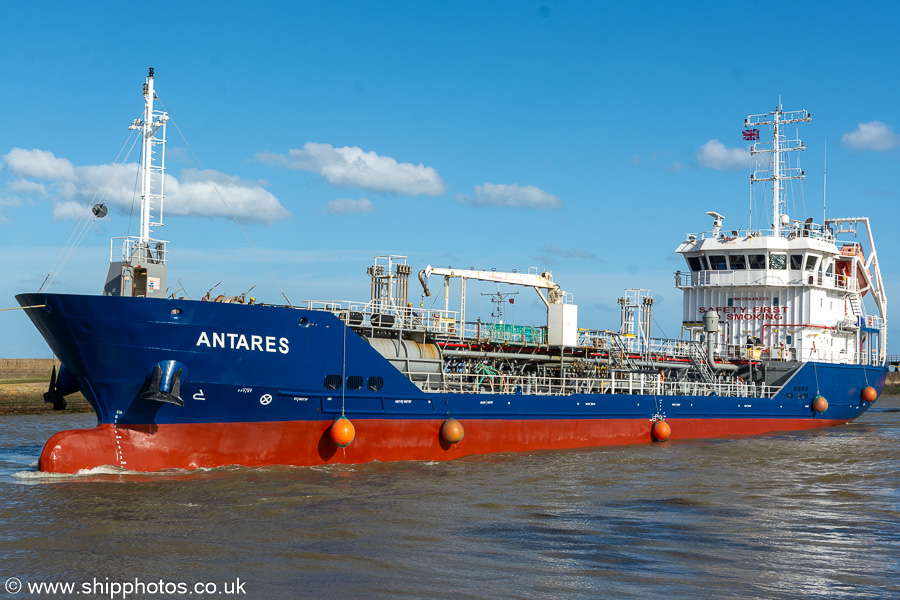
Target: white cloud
x=72, y=189
x=346, y=206
x=38, y=164
x=552, y=252
x=69, y=209
x=353, y=167
x=7, y=203
x=715, y=155
x=873, y=135
x=23, y=186
x=196, y=194
x=526, y=196
x=555, y=250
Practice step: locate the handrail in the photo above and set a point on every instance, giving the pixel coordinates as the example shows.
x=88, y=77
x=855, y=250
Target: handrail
x=741, y=277
x=446, y=328
x=156, y=250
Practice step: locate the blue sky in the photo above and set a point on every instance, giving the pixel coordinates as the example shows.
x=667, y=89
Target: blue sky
x=583, y=137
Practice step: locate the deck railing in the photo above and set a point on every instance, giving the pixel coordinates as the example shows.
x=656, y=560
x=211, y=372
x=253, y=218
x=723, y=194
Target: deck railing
x=797, y=229
x=647, y=384
x=128, y=247
x=446, y=328
x=780, y=278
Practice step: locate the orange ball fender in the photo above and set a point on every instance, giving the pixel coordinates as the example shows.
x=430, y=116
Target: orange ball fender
x=869, y=394
x=452, y=431
x=661, y=431
x=820, y=404
x=342, y=432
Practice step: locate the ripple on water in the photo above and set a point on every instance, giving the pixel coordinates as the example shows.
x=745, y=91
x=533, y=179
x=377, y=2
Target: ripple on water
x=807, y=514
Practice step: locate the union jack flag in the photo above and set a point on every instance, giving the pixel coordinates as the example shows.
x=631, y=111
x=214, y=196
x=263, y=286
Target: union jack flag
x=751, y=134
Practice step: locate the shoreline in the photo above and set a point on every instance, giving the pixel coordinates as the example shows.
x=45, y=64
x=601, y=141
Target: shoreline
x=23, y=382
x=27, y=398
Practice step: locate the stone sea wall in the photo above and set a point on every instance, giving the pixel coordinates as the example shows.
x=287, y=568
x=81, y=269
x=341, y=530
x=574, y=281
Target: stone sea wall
x=23, y=382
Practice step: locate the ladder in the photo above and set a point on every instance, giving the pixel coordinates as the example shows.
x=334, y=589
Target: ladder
x=698, y=360
x=619, y=356
x=856, y=305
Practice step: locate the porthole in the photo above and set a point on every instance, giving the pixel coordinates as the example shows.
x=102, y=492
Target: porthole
x=332, y=382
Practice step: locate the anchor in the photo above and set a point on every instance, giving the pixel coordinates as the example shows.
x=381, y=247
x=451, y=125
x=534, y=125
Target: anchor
x=62, y=384
x=165, y=383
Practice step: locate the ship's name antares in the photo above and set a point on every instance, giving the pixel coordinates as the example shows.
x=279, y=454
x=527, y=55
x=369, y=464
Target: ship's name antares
x=239, y=341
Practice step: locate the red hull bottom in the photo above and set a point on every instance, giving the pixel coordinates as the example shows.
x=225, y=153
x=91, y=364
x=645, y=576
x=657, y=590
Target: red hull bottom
x=306, y=443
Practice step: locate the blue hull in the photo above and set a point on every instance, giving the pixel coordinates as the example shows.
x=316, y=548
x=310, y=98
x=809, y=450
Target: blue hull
x=262, y=364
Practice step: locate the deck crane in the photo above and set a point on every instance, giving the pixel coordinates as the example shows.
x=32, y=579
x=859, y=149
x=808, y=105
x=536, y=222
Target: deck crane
x=561, y=316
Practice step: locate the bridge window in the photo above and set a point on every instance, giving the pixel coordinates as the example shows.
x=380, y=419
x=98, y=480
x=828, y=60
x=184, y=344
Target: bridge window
x=694, y=263
x=811, y=260
x=796, y=262
x=778, y=261
x=717, y=262
x=757, y=261
x=737, y=261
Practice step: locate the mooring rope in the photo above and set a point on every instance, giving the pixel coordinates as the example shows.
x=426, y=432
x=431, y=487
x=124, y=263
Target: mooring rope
x=21, y=307
x=344, y=369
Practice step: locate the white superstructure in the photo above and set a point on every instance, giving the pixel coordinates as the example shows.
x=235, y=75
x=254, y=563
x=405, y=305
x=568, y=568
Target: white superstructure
x=794, y=291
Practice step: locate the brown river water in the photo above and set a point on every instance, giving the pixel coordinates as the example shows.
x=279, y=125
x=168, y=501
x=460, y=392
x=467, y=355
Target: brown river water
x=811, y=514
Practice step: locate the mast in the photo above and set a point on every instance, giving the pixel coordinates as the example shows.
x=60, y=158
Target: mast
x=137, y=265
x=779, y=172
x=152, y=177
x=776, y=170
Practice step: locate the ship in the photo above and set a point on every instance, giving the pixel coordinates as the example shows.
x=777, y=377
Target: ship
x=777, y=335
